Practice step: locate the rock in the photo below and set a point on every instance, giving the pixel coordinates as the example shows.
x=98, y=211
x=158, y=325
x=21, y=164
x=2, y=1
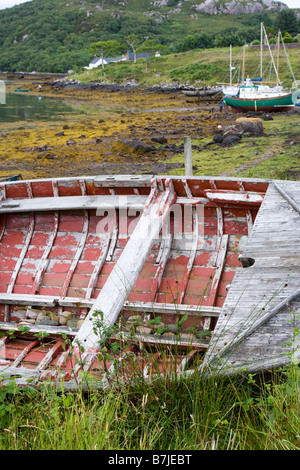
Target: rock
x=27, y=321
x=80, y=323
x=46, y=321
x=158, y=327
x=218, y=138
x=133, y=145
x=159, y=139
x=230, y=140
x=32, y=314
x=42, y=314
x=54, y=317
x=59, y=134
x=236, y=7
x=64, y=317
x=268, y=117
x=169, y=334
x=143, y=330
x=72, y=323
x=251, y=126
x=172, y=328
x=187, y=338
x=135, y=320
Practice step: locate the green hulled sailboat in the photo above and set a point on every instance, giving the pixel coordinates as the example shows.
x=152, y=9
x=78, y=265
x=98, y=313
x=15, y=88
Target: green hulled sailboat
x=254, y=95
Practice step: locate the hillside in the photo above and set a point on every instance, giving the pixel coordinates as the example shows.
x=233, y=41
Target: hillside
x=55, y=35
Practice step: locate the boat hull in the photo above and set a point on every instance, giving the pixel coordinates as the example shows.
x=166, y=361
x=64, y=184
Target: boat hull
x=273, y=104
x=116, y=278
x=63, y=261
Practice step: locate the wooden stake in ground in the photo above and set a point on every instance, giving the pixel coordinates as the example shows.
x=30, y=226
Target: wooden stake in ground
x=188, y=161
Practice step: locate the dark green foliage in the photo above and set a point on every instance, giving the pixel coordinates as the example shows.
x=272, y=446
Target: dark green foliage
x=196, y=72
x=55, y=35
x=195, y=41
x=287, y=21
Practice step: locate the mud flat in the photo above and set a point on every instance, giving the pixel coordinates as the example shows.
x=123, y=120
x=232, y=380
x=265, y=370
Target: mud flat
x=126, y=130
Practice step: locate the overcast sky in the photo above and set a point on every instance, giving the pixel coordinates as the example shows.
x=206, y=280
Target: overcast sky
x=11, y=3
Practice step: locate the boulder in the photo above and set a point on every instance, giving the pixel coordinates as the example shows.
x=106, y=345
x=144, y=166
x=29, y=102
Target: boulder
x=143, y=330
x=133, y=146
x=160, y=139
x=230, y=140
x=251, y=126
x=218, y=138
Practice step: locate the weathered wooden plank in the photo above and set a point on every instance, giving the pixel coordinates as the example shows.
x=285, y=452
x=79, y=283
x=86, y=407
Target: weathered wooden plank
x=256, y=323
x=125, y=272
x=236, y=197
x=162, y=261
x=24, y=353
x=72, y=202
x=58, y=347
x=287, y=197
x=22, y=255
x=98, y=266
x=191, y=258
x=250, y=326
x=44, y=259
x=162, y=340
x=218, y=272
x=104, y=202
x=77, y=256
x=154, y=307
x=52, y=330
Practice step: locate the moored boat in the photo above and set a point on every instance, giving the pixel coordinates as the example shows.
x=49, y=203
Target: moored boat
x=109, y=277
x=253, y=94
x=253, y=97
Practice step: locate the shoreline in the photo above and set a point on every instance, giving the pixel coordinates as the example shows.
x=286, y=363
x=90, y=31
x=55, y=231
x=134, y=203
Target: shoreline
x=132, y=130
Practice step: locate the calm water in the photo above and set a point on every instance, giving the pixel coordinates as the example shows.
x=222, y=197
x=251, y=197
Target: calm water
x=23, y=107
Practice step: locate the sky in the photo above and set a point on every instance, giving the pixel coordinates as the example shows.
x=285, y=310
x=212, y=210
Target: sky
x=11, y=3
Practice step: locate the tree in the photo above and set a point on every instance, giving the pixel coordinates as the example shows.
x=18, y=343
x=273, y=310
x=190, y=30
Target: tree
x=104, y=48
x=134, y=42
x=150, y=47
x=287, y=22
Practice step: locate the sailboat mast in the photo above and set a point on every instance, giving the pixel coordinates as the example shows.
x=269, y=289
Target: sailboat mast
x=230, y=65
x=278, y=44
x=244, y=59
x=270, y=52
x=261, y=48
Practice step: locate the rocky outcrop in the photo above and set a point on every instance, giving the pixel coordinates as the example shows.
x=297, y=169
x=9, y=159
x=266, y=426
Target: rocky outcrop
x=237, y=7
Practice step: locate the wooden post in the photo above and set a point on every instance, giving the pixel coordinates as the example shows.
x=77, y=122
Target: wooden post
x=188, y=160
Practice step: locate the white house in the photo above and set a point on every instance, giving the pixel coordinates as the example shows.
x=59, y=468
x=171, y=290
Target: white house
x=97, y=61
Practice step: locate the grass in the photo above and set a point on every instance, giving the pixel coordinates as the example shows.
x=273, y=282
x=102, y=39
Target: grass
x=275, y=155
x=190, y=414
x=195, y=413
x=208, y=66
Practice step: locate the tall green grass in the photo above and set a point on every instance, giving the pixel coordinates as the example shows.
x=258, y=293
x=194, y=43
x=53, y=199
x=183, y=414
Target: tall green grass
x=195, y=413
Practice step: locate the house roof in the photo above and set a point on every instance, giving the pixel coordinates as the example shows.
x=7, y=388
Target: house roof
x=107, y=60
x=95, y=60
x=139, y=55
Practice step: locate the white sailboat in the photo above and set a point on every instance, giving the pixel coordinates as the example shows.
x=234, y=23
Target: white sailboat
x=253, y=94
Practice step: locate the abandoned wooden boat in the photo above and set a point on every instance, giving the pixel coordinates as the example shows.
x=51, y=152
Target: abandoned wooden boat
x=203, y=94
x=105, y=278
